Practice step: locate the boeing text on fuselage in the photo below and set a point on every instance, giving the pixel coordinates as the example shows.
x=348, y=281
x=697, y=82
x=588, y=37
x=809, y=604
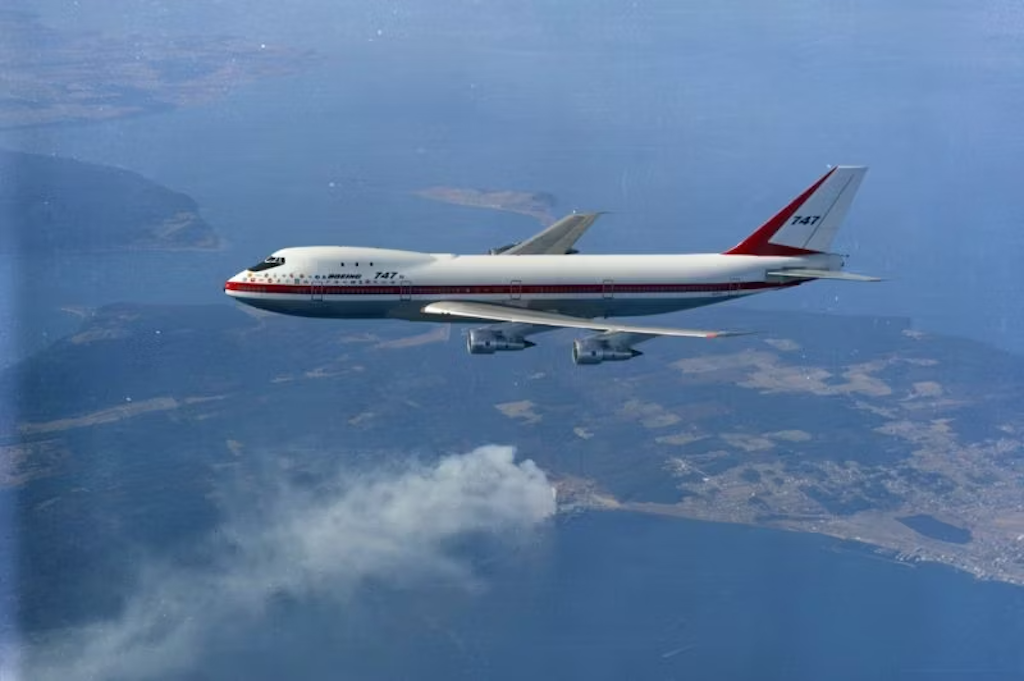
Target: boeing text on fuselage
x=541, y=284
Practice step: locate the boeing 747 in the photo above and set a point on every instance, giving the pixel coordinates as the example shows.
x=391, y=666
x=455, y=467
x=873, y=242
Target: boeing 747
x=542, y=284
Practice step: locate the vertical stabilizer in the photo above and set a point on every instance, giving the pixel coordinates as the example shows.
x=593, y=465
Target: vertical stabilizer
x=810, y=222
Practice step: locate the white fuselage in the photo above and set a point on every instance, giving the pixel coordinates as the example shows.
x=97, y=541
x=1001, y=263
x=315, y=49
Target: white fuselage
x=350, y=282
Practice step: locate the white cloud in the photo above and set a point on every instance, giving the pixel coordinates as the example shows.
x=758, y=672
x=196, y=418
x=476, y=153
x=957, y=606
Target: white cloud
x=324, y=543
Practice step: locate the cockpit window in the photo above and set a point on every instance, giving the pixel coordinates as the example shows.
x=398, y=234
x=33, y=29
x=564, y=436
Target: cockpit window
x=272, y=261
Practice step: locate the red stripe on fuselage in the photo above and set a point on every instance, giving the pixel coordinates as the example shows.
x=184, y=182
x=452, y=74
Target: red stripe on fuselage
x=504, y=289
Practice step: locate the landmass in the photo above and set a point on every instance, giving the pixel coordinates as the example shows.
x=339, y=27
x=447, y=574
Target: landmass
x=857, y=428
x=59, y=77
x=54, y=204
x=537, y=205
x=922, y=469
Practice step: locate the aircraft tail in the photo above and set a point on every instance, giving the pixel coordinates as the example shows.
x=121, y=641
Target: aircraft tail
x=810, y=222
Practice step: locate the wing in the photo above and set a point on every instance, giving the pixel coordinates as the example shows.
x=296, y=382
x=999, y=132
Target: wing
x=504, y=313
x=558, y=239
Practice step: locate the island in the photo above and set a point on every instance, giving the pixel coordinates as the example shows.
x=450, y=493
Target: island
x=60, y=77
x=53, y=205
x=537, y=205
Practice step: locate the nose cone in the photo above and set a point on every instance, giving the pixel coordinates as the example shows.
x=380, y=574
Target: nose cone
x=232, y=285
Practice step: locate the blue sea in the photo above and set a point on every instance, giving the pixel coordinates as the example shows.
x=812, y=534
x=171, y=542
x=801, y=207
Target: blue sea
x=627, y=596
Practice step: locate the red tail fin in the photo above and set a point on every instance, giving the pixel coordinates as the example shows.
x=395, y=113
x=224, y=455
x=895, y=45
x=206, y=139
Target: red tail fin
x=810, y=221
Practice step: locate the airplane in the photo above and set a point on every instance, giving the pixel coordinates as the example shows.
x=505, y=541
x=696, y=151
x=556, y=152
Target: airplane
x=543, y=284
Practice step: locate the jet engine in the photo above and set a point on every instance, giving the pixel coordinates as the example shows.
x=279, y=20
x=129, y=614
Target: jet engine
x=486, y=342
x=590, y=351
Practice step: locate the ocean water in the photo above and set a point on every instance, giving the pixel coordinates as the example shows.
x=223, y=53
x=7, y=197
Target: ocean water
x=692, y=599
x=633, y=596
x=625, y=596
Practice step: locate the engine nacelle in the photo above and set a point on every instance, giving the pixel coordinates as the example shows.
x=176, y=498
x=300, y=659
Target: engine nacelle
x=484, y=342
x=595, y=352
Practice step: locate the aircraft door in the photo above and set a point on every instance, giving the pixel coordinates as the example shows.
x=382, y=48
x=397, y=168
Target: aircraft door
x=515, y=289
x=608, y=288
x=316, y=289
x=405, y=290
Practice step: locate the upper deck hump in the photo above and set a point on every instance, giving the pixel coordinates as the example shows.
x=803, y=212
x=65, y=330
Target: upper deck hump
x=357, y=253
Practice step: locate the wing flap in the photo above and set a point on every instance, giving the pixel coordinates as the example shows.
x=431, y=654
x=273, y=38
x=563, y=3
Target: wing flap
x=516, y=329
x=503, y=313
x=622, y=340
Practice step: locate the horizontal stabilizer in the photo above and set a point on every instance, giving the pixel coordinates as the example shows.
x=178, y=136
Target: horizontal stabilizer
x=505, y=313
x=820, y=274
